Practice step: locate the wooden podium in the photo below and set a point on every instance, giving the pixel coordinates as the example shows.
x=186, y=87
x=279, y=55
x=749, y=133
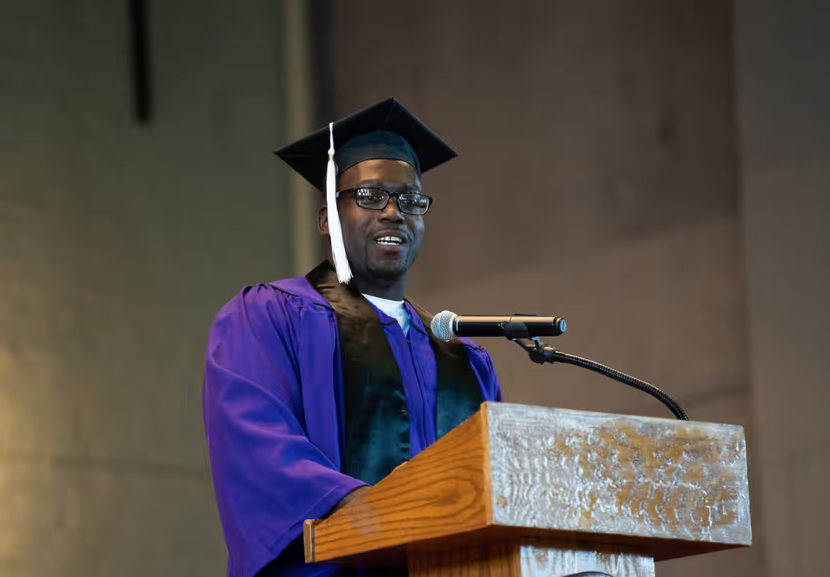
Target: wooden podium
x=518, y=490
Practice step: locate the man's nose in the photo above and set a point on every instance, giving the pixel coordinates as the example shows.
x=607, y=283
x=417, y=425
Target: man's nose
x=392, y=212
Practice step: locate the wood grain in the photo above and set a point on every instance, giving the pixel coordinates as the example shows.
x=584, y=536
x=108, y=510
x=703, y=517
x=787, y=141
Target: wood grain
x=618, y=474
x=542, y=558
x=466, y=560
x=527, y=558
x=436, y=494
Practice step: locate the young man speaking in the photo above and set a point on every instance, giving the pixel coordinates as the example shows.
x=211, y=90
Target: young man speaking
x=318, y=386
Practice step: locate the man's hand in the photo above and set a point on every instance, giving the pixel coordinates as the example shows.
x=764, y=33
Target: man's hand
x=345, y=501
x=351, y=496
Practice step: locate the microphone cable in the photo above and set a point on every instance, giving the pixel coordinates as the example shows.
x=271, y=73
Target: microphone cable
x=541, y=353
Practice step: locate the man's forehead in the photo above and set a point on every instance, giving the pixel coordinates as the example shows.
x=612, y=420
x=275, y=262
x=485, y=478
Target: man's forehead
x=379, y=171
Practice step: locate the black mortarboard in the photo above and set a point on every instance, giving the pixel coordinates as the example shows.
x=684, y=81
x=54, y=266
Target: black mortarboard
x=384, y=130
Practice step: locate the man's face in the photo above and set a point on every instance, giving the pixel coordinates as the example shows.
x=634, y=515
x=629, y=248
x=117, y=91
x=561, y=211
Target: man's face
x=362, y=228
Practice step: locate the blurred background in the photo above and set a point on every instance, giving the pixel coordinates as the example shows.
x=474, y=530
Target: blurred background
x=655, y=171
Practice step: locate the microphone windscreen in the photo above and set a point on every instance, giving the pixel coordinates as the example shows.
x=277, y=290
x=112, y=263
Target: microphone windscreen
x=442, y=325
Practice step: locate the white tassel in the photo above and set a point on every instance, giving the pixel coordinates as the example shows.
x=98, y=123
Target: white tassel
x=338, y=249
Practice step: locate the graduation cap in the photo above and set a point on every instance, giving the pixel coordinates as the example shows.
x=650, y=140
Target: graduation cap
x=386, y=130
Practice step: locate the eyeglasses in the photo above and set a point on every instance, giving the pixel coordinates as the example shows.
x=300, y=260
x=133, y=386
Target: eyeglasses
x=372, y=198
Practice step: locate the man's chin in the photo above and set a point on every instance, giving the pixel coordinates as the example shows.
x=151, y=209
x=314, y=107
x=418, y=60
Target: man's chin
x=389, y=269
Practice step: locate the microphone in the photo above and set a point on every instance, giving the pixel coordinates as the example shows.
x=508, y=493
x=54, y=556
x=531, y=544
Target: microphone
x=448, y=325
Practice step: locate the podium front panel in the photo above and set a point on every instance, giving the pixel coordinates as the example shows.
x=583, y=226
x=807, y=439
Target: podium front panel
x=583, y=472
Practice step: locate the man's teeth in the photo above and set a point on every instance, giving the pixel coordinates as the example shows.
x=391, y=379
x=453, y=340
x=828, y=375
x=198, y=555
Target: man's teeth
x=389, y=240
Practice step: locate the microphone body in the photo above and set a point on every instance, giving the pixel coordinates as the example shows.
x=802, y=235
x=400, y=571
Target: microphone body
x=447, y=326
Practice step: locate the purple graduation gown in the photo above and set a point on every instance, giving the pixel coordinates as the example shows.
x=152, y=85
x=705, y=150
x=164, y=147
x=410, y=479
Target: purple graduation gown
x=270, y=402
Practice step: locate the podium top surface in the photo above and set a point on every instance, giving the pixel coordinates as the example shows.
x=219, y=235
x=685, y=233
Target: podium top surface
x=673, y=488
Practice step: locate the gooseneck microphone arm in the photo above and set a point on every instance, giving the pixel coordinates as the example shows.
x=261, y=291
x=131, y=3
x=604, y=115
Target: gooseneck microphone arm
x=541, y=353
x=525, y=330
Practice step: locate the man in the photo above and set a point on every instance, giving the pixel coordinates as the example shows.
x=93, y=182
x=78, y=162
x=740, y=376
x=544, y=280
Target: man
x=315, y=388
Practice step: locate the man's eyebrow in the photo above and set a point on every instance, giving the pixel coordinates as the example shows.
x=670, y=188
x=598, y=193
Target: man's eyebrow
x=387, y=184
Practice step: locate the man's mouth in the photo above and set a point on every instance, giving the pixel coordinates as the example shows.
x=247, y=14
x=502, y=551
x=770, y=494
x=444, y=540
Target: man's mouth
x=389, y=240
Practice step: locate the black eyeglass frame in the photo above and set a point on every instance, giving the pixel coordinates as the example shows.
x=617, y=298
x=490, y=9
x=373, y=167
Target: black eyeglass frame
x=389, y=195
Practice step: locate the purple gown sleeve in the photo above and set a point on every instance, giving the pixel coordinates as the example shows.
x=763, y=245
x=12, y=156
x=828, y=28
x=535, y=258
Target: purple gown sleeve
x=485, y=372
x=268, y=476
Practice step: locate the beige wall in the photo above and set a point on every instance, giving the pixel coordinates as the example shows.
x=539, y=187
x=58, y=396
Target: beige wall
x=118, y=243
x=598, y=180
x=783, y=91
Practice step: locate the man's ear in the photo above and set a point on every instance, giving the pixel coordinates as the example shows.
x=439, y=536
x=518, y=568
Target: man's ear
x=323, y=220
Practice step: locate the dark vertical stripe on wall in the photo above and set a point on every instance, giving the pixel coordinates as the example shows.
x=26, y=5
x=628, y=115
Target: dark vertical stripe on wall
x=323, y=80
x=140, y=60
